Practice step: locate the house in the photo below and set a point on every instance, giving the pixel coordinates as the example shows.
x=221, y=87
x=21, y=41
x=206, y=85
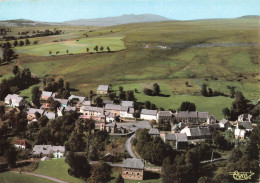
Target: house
x=225, y=124
x=163, y=116
x=211, y=120
x=110, y=117
x=245, y=117
x=127, y=103
x=178, y=127
x=108, y=102
x=115, y=109
x=78, y=98
x=45, y=150
x=127, y=112
x=214, y=126
x=196, y=133
x=133, y=169
x=154, y=132
x=63, y=110
x=240, y=133
x=21, y=144
x=246, y=125
x=109, y=127
x=50, y=115
x=47, y=95
x=193, y=117
x=31, y=113
x=84, y=103
x=149, y=114
x=13, y=100
x=176, y=140
x=103, y=89
x=92, y=111
x=63, y=102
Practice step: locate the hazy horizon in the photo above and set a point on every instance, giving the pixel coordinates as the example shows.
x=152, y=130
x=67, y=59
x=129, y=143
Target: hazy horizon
x=67, y=10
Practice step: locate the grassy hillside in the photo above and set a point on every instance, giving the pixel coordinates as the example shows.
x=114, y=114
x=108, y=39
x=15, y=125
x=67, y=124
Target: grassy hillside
x=9, y=177
x=219, y=53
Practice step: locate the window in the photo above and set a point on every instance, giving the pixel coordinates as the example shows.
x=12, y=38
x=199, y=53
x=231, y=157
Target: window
x=126, y=172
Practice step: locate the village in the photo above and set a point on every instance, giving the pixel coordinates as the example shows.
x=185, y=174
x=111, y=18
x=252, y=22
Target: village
x=181, y=128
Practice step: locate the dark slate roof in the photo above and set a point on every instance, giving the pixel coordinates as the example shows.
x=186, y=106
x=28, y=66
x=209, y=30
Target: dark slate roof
x=214, y=126
x=14, y=97
x=133, y=163
x=103, y=88
x=165, y=113
x=181, y=137
x=47, y=149
x=170, y=137
x=69, y=108
x=127, y=103
x=199, y=131
x=112, y=107
x=108, y=102
x=186, y=114
x=62, y=101
x=246, y=125
x=203, y=114
x=33, y=111
x=80, y=98
x=154, y=131
x=94, y=109
x=131, y=110
x=223, y=121
x=149, y=112
x=50, y=115
x=86, y=102
x=46, y=94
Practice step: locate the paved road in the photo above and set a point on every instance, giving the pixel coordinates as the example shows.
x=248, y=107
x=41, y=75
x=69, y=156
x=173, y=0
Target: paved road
x=43, y=176
x=128, y=147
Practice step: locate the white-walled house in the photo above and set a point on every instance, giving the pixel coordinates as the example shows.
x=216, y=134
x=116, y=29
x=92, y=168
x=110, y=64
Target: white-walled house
x=225, y=124
x=45, y=150
x=14, y=100
x=20, y=144
x=128, y=113
x=148, y=114
x=244, y=117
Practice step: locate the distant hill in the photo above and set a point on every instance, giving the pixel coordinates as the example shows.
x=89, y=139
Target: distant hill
x=26, y=23
x=124, y=19
x=250, y=16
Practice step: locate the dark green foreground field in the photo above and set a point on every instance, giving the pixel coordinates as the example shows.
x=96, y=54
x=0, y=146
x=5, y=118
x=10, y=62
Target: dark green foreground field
x=219, y=53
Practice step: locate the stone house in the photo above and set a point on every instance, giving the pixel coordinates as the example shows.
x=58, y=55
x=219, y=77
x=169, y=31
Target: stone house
x=115, y=109
x=164, y=116
x=63, y=110
x=176, y=140
x=193, y=117
x=127, y=112
x=92, y=111
x=133, y=169
x=154, y=132
x=244, y=117
x=225, y=124
x=127, y=103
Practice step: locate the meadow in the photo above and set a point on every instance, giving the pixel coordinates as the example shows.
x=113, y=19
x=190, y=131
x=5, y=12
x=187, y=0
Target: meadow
x=56, y=168
x=137, y=59
x=9, y=177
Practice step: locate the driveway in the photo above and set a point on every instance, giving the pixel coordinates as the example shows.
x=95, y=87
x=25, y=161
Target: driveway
x=128, y=147
x=42, y=176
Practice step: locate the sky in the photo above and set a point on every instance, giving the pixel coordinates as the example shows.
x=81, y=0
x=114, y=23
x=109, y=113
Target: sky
x=63, y=10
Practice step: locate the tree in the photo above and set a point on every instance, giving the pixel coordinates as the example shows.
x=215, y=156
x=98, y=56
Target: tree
x=226, y=112
x=79, y=165
x=99, y=101
x=147, y=104
x=15, y=69
x=156, y=89
x=50, y=52
x=21, y=43
x=122, y=95
x=11, y=156
x=121, y=88
x=96, y=48
x=101, y=48
x=87, y=49
x=67, y=86
x=239, y=106
x=210, y=93
x=108, y=49
x=187, y=106
x=27, y=42
x=101, y=173
x=2, y=110
x=15, y=43
x=60, y=83
x=120, y=179
x=204, y=90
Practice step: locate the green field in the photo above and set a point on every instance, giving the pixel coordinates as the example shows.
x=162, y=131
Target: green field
x=142, y=61
x=56, y=168
x=27, y=93
x=9, y=177
x=213, y=105
x=73, y=46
